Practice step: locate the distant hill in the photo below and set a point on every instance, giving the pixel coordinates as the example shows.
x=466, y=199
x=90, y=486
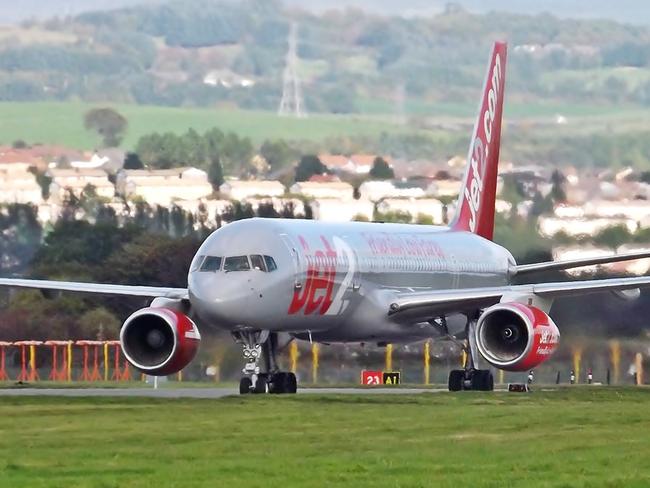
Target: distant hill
x=206, y=53
x=633, y=11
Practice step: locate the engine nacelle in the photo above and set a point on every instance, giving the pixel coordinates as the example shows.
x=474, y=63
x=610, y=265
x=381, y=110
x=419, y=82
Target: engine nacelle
x=516, y=337
x=159, y=341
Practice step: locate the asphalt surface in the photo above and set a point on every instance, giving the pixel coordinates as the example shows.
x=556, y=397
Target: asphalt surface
x=193, y=392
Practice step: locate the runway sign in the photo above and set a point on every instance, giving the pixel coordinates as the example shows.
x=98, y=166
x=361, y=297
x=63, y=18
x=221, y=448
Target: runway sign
x=372, y=378
x=391, y=378
x=377, y=378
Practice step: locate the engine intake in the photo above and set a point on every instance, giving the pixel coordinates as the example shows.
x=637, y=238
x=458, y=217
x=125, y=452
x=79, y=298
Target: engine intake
x=159, y=341
x=516, y=337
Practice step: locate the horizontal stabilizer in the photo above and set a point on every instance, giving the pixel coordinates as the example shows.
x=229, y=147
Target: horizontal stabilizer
x=578, y=263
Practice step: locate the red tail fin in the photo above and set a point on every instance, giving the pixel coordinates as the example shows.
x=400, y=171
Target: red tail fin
x=475, y=208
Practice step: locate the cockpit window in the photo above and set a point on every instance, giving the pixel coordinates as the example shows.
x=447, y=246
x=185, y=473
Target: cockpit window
x=270, y=263
x=211, y=263
x=257, y=262
x=236, y=263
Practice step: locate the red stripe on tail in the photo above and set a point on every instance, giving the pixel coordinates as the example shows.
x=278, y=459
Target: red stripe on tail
x=475, y=208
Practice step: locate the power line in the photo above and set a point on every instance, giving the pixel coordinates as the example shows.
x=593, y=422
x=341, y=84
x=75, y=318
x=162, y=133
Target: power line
x=292, y=102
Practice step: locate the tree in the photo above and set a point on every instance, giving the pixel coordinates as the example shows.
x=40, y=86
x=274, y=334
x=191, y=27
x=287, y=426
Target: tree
x=215, y=173
x=278, y=154
x=381, y=170
x=613, y=237
x=108, y=123
x=558, y=181
x=132, y=161
x=309, y=166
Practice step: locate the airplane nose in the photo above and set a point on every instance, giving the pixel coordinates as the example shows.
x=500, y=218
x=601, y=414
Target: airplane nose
x=222, y=298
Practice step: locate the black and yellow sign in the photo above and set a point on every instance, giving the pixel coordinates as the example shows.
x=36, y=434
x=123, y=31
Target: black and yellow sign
x=391, y=378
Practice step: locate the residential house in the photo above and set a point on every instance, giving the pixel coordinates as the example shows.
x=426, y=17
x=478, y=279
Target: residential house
x=76, y=180
x=340, y=210
x=310, y=189
x=242, y=190
x=415, y=206
x=163, y=187
x=376, y=190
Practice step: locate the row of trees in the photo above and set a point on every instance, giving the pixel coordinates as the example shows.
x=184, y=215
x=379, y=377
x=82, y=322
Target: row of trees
x=432, y=58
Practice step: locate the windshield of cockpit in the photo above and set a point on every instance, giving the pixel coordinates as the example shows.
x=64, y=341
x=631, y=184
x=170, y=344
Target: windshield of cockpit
x=257, y=262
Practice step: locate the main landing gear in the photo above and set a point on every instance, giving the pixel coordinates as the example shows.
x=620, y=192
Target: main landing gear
x=255, y=345
x=471, y=378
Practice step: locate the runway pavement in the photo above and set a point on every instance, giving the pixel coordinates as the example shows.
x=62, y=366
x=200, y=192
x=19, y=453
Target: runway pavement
x=193, y=392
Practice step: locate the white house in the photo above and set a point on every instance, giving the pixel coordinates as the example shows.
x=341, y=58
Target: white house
x=337, y=210
x=376, y=190
x=76, y=180
x=549, y=226
x=242, y=190
x=19, y=187
x=163, y=187
x=414, y=206
x=334, y=189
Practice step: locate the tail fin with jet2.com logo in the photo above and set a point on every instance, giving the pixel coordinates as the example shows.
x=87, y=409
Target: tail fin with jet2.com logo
x=475, y=208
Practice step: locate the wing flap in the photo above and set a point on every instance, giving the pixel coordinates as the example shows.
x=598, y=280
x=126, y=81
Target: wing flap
x=578, y=263
x=425, y=305
x=97, y=288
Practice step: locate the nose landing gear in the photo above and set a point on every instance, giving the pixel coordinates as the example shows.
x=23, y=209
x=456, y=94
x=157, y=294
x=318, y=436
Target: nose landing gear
x=255, y=345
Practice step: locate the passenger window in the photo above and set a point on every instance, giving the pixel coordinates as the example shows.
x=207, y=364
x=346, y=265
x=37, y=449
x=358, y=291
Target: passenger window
x=211, y=263
x=236, y=263
x=270, y=263
x=257, y=262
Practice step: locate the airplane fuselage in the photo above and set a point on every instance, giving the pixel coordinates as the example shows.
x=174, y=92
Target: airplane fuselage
x=333, y=280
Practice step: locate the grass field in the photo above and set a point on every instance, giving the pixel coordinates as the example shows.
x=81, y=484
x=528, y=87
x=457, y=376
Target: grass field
x=62, y=123
x=573, y=437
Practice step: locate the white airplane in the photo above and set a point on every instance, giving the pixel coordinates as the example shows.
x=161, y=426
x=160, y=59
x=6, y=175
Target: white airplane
x=361, y=282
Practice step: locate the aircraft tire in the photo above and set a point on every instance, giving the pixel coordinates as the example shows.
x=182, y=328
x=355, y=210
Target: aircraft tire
x=245, y=385
x=456, y=378
x=291, y=383
x=279, y=383
x=262, y=384
x=482, y=380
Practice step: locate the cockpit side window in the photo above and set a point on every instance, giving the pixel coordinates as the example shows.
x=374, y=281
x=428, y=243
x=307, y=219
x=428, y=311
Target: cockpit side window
x=270, y=263
x=236, y=263
x=211, y=263
x=196, y=262
x=257, y=262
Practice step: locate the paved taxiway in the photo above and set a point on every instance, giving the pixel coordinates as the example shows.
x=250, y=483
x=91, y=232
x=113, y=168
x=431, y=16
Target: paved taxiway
x=191, y=392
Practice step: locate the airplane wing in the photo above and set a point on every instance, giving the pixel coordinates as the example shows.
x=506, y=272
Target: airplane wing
x=577, y=263
x=429, y=304
x=97, y=288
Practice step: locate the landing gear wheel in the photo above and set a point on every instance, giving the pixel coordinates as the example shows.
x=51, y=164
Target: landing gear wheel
x=456, y=379
x=261, y=384
x=278, y=383
x=482, y=380
x=292, y=383
x=245, y=385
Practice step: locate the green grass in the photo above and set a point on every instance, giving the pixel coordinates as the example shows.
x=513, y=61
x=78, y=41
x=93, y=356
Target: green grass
x=62, y=123
x=574, y=437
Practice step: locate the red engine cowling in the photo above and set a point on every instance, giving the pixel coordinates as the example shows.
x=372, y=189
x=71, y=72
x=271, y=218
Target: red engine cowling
x=159, y=341
x=516, y=337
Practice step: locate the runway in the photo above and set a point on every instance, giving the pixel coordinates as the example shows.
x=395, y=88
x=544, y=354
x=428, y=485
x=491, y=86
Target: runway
x=196, y=392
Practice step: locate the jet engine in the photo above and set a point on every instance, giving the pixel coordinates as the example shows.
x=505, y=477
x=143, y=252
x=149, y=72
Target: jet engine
x=159, y=341
x=516, y=337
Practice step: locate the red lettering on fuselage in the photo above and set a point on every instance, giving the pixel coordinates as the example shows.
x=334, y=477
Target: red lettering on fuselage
x=316, y=294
